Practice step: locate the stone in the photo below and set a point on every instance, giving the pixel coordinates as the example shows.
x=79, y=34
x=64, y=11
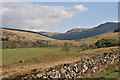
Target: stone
x=78, y=69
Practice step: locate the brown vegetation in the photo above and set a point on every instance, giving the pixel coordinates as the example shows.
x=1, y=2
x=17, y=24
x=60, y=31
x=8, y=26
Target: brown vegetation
x=52, y=61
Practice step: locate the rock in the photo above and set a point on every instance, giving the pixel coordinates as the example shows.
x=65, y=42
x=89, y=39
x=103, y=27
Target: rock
x=22, y=61
x=78, y=69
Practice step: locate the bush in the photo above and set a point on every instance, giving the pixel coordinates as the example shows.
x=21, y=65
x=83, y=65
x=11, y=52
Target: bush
x=33, y=70
x=106, y=43
x=84, y=46
x=118, y=30
x=66, y=47
x=23, y=44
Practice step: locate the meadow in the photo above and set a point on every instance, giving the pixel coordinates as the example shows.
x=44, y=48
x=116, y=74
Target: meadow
x=13, y=55
x=42, y=58
x=32, y=56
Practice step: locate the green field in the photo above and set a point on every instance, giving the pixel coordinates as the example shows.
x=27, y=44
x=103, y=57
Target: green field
x=12, y=55
x=113, y=75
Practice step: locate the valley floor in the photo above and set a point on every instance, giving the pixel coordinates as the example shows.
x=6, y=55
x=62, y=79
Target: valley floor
x=43, y=58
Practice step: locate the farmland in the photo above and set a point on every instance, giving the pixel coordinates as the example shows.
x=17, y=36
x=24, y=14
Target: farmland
x=43, y=58
x=51, y=40
x=12, y=55
x=15, y=55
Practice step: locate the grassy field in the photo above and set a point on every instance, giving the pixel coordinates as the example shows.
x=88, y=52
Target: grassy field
x=42, y=58
x=12, y=55
x=113, y=75
x=47, y=54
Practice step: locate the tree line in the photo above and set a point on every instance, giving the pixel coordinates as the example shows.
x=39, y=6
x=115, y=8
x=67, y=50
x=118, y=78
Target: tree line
x=118, y=30
x=23, y=44
x=107, y=43
x=8, y=44
x=102, y=43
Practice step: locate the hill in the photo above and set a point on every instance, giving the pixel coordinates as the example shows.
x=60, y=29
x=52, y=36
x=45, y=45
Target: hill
x=23, y=35
x=92, y=40
x=103, y=28
x=14, y=34
x=77, y=30
x=49, y=34
x=17, y=34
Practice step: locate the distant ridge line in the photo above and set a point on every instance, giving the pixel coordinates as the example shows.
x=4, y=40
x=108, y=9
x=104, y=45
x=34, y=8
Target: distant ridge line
x=27, y=31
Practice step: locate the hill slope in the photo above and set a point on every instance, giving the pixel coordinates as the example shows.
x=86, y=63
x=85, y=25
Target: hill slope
x=103, y=28
x=22, y=35
x=77, y=30
x=92, y=40
x=49, y=34
x=15, y=34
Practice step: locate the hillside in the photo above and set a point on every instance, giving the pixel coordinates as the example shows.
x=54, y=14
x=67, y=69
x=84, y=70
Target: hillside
x=22, y=35
x=103, y=28
x=15, y=34
x=46, y=57
x=77, y=30
x=92, y=40
x=49, y=34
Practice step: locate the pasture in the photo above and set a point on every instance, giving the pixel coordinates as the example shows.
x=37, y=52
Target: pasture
x=43, y=58
x=13, y=55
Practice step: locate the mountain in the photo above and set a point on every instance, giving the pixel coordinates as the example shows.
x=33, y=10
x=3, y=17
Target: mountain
x=17, y=34
x=103, y=28
x=48, y=34
x=77, y=30
x=73, y=34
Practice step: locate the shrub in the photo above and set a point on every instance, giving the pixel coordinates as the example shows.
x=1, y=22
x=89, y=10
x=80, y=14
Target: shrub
x=34, y=70
x=84, y=46
x=23, y=44
x=66, y=47
x=106, y=43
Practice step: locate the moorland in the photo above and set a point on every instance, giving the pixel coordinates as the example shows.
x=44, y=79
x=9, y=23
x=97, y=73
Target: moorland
x=24, y=51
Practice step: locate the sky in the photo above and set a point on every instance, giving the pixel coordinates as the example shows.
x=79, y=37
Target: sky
x=60, y=0
x=57, y=16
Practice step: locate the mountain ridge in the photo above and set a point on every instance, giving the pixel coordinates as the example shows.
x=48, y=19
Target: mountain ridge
x=76, y=33
x=100, y=29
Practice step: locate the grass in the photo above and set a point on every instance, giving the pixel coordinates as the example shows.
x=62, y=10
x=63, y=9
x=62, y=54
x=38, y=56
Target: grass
x=27, y=35
x=113, y=75
x=92, y=40
x=35, y=58
x=12, y=55
x=110, y=71
x=99, y=51
x=40, y=58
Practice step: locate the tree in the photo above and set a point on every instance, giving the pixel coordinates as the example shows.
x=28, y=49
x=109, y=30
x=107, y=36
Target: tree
x=66, y=47
x=84, y=46
x=106, y=43
x=118, y=30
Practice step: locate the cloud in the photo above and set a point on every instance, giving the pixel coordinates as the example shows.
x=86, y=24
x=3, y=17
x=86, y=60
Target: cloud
x=35, y=16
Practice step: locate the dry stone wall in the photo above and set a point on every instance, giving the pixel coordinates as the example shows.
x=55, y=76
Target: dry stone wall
x=77, y=69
